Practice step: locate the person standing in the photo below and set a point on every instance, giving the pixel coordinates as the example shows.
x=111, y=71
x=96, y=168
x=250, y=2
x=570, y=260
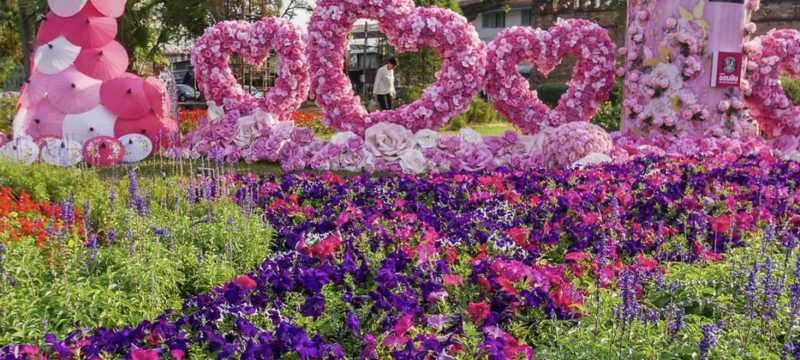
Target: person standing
x=383, y=89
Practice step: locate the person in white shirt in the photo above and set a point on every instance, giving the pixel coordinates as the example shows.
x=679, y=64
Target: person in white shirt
x=383, y=89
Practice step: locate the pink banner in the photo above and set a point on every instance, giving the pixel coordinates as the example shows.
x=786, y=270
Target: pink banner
x=669, y=61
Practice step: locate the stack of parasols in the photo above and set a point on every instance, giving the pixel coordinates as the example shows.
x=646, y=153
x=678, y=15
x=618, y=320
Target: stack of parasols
x=79, y=103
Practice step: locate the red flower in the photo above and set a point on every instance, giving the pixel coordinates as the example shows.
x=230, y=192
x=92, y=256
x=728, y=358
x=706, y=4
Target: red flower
x=721, y=223
x=245, y=282
x=325, y=248
x=646, y=264
x=478, y=311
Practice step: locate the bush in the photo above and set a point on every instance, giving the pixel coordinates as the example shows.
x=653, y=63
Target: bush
x=608, y=116
x=479, y=113
x=8, y=109
x=189, y=118
x=792, y=89
x=551, y=93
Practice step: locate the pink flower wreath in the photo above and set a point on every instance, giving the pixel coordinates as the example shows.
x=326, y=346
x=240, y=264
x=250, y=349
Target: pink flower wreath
x=408, y=29
x=252, y=42
x=777, y=51
x=592, y=80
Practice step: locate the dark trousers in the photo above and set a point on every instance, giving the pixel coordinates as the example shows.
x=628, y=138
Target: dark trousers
x=385, y=102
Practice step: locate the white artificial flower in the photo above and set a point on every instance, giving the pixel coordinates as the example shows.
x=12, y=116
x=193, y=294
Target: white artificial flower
x=538, y=140
x=794, y=155
x=426, y=138
x=592, y=159
x=215, y=113
x=341, y=137
x=412, y=162
x=470, y=136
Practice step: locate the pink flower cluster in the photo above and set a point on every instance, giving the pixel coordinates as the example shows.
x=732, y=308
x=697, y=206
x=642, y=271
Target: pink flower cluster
x=408, y=29
x=691, y=145
x=574, y=141
x=212, y=51
x=592, y=80
x=772, y=54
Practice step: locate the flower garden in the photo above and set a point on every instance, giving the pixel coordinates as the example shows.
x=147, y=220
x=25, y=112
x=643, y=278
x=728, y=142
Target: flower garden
x=254, y=230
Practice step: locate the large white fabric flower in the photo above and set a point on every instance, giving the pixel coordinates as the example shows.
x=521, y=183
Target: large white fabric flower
x=341, y=137
x=412, y=162
x=427, y=139
x=470, y=136
x=215, y=113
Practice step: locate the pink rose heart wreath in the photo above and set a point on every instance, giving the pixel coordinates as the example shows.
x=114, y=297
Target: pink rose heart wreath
x=408, y=28
x=212, y=51
x=592, y=80
x=777, y=51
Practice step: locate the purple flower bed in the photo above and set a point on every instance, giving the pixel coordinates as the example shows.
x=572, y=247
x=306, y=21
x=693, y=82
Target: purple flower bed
x=429, y=268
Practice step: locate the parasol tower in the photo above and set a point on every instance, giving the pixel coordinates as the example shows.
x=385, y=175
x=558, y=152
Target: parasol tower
x=79, y=88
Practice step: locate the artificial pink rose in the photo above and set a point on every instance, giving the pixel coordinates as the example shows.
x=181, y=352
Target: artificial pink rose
x=511, y=136
x=221, y=133
x=475, y=158
x=354, y=143
x=354, y=160
x=572, y=142
x=302, y=136
x=388, y=141
x=495, y=143
x=290, y=152
x=331, y=151
x=314, y=147
x=320, y=162
x=283, y=129
x=233, y=154
x=518, y=163
x=201, y=147
x=449, y=143
x=785, y=143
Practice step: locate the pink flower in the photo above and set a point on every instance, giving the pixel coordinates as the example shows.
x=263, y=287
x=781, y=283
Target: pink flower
x=403, y=325
x=177, y=353
x=245, y=282
x=388, y=141
x=142, y=354
x=302, y=136
x=475, y=158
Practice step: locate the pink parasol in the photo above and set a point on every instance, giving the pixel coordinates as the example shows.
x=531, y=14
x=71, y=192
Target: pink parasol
x=90, y=29
x=55, y=56
x=34, y=90
x=161, y=132
x=51, y=28
x=155, y=92
x=103, y=63
x=66, y=8
x=103, y=151
x=73, y=92
x=112, y=8
x=82, y=127
x=125, y=96
x=45, y=120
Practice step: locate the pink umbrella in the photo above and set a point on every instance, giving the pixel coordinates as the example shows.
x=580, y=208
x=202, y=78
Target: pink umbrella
x=112, y=8
x=45, y=120
x=73, y=92
x=103, y=151
x=104, y=63
x=90, y=29
x=66, y=8
x=155, y=95
x=34, y=90
x=125, y=96
x=51, y=28
x=157, y=130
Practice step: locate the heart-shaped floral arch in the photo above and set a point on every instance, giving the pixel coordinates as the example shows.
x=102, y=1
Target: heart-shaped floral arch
x=774, y=53
x=407, y=29
x=592, y=80
x=253, y=42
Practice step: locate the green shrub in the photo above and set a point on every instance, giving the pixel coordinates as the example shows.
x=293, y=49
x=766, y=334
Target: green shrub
x=479, y=113
x=551, y=93
x=792, y=89
x=8, y=109
x=608, y=116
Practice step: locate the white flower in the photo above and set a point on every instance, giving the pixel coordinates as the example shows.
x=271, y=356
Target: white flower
x=659, y=108
x=283, y=129
x=470, y=136
x=794, y=155
x=592, y=159
x=412, y=162
x=672, y=74
x=537, y=141
x=341, y=137
x=215, y=113
x=426, y=138
x=264, y=118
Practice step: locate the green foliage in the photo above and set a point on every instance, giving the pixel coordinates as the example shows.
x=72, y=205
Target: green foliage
x=479, y=113
x=792, y=89
x=8, y=109
x=550, y=93
x=135, y=273
x=608, y=116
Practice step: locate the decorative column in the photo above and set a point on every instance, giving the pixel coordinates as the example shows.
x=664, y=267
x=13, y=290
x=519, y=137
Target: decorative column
x=683, y=65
